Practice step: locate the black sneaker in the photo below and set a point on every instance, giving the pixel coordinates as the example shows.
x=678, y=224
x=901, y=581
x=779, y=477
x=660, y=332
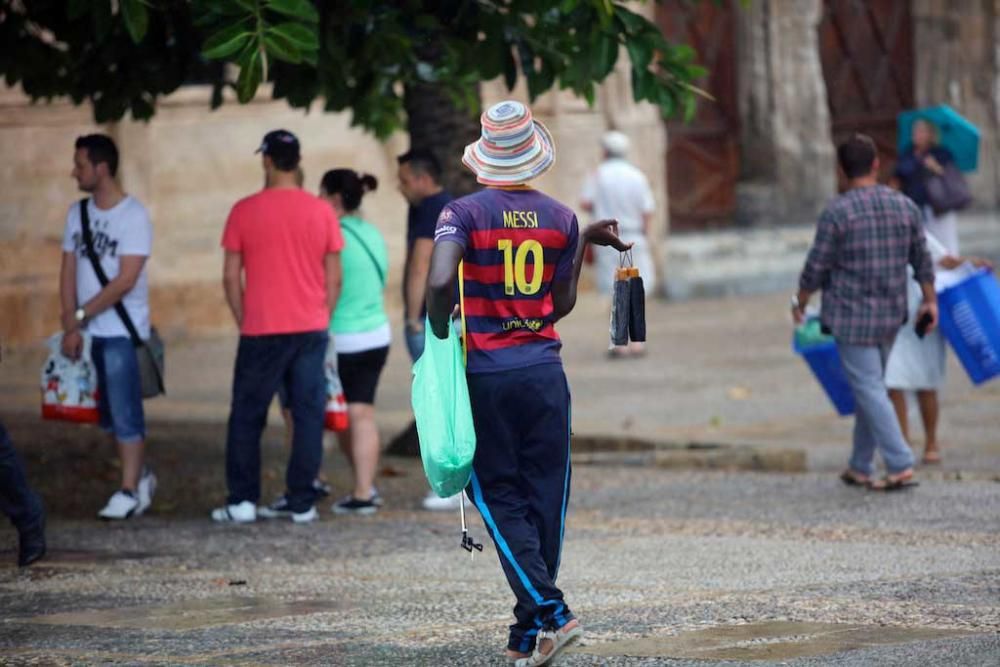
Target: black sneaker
x=279, y=509
x=354, y=506
x=322, y=489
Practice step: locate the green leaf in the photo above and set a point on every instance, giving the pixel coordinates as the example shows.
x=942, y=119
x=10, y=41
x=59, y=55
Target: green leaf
x=639, y=54
x=633, y=23
x=102, y=20
x=249, y=80
x=300, y=9
x=605, y=54
x=281, y=48
x=136, y=18
x=302, y=37
x=227, y=41
x=76, y=8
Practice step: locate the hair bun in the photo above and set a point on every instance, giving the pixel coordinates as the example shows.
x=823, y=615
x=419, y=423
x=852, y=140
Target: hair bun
x=368, y=182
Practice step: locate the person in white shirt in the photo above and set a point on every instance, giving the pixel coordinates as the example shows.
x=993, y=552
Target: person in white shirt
x=618, y=190
x=917, y=364
x=122, y=237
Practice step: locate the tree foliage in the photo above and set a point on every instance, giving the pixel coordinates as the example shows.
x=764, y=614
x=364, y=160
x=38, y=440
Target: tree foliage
x=357, y=55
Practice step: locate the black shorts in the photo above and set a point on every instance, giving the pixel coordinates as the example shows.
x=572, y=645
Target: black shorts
x=359, y=373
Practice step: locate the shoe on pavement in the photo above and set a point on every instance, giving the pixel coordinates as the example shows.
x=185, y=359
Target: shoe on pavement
x=376, y=499
x=279, y=509
x=435, y=503
x=322, y=489
x=559, y=639
x=243, y=512
x=122, y=505
x=145, y=491
x=308, y=516
x=351, y=505
x=31, y=543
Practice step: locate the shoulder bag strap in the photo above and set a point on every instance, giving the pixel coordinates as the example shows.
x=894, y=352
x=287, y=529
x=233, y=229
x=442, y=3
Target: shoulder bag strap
x=88, y=244
x=371, y=255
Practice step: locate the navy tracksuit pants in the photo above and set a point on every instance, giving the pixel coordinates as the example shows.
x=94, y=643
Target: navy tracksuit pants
x=520, y=484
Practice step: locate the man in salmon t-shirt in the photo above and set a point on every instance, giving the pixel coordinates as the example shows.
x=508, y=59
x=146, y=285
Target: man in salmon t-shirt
x=282, y=280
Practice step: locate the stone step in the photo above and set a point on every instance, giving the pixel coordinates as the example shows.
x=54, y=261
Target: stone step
x=761, y=261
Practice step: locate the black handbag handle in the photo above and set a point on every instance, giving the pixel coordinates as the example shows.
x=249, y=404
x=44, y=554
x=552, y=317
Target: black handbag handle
x=88, y=244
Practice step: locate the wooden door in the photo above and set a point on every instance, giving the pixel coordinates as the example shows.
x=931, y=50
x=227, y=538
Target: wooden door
x=703, y=156
x=866, y=47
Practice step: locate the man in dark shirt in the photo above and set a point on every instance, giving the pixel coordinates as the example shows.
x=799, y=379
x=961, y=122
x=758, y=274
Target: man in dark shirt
x=864, y=240
x=420, y=184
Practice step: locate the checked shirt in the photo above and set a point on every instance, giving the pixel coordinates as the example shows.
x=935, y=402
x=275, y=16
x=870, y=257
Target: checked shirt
x=864, y=240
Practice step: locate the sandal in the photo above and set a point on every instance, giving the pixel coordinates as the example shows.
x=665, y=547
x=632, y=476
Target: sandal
x=851, y=478
x=904, y=480
x=558, y=640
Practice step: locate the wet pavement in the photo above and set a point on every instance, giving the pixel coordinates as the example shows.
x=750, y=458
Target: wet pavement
x=663, y=565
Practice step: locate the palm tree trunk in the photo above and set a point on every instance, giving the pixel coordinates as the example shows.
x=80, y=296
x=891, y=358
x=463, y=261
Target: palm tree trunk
x=435, y=122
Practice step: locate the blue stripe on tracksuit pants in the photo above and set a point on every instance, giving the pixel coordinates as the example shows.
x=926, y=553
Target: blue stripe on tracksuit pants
x=520, y=484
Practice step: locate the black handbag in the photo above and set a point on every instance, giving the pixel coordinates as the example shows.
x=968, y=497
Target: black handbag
x=948, y=191
x=150, y=353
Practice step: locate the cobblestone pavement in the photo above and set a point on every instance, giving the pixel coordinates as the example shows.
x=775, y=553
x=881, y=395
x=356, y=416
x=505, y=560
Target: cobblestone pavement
x=661, y=567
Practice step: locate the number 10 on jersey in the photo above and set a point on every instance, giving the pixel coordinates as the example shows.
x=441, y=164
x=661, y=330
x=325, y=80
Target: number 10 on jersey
x=514, y=266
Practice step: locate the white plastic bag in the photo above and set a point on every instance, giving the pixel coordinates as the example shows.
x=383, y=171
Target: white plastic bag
x=69, y=388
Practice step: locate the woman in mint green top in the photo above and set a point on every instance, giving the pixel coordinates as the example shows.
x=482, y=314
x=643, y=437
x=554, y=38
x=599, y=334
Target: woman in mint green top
x=361, y=332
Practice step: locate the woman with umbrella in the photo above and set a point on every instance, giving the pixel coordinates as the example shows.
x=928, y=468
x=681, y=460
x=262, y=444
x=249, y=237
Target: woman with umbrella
x=923, y=159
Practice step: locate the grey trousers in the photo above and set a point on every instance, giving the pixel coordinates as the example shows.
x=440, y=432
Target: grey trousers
x=875, y=423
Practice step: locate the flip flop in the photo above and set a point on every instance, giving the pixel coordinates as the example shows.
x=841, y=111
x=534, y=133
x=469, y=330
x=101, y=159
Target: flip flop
x=886, y=485
x=850, y=478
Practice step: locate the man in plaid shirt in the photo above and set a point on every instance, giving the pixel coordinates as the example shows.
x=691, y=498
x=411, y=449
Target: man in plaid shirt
x=864, y=240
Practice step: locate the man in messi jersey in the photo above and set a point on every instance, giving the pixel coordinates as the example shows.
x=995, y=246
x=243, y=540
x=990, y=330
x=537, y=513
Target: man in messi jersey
x=521, y=253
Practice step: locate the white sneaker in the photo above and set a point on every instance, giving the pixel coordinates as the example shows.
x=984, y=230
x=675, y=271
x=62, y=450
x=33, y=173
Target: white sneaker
x=145, y=491
x=122, y=505
x=308, y=516
x=435, y=503
x=244, y=512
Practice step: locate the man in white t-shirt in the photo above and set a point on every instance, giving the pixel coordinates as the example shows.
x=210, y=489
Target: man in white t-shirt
x=122, y=239
x=617, y=190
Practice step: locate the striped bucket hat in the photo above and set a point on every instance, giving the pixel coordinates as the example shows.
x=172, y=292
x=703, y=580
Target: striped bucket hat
x=513, y=148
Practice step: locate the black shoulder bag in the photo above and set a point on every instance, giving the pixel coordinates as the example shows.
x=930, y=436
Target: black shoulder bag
x=150, y=353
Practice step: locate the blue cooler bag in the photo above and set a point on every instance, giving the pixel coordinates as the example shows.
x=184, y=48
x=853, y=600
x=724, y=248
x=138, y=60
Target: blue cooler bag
x=820, y=352
x=970, y=321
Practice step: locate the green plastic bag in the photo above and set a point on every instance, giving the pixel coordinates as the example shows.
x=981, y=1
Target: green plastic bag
x=810, y=333
x=440, y=399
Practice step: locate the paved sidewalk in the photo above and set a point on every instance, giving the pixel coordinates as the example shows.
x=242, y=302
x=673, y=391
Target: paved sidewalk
x=718, y=371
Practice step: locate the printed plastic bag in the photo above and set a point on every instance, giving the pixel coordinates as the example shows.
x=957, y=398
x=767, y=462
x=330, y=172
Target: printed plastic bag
x=443, y=414
x=336, y=418
x=69, y=388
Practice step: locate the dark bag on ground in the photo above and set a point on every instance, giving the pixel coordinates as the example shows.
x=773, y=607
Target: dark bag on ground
x=149, y=353
x=948, y=191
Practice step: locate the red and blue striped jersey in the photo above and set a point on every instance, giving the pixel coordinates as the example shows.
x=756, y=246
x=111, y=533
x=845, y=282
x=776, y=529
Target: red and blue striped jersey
x=517, y=242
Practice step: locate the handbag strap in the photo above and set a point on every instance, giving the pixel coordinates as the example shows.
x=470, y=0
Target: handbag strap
x=371, y=255
x=102, y=277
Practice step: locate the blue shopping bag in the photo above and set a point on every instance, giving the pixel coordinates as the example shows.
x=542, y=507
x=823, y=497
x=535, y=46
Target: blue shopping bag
x=820, y=352
x=970, y=322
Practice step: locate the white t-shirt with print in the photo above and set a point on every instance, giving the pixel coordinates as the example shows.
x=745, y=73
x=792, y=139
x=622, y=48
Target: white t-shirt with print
x=124, y=229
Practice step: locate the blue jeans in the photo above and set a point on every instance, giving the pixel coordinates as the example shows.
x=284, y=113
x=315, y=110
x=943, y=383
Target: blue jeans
x=17, y=500
x=875, y=423
x=119, y=400
x=263, y=363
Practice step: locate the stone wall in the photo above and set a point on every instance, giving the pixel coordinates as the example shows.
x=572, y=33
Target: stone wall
x=788, y=164
x=189, y=165
x=958, y=63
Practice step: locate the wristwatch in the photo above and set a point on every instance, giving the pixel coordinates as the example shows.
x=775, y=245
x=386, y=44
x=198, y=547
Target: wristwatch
x=795, y=302
x=79, y=315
